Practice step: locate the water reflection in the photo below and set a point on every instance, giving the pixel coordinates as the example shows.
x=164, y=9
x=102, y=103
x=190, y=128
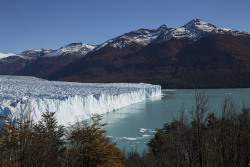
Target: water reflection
x=115, y=116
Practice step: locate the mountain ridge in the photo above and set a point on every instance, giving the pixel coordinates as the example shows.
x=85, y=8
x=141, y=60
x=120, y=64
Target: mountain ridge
x=141, y=36
x=157, y=56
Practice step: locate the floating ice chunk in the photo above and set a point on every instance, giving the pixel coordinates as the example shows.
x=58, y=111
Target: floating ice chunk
x=152, y=131
x=142, y=130
x=135, y=138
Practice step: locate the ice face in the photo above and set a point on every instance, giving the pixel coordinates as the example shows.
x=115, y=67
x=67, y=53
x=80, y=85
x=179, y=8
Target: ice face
x=71, y=101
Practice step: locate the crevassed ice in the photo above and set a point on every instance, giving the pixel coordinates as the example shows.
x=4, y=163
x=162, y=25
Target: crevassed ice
x=71, y=101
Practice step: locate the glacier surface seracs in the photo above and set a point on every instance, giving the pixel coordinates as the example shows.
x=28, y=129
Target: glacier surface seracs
x=71, y=101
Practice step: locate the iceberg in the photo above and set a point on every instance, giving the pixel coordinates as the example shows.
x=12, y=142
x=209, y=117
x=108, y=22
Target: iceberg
x=71, y=101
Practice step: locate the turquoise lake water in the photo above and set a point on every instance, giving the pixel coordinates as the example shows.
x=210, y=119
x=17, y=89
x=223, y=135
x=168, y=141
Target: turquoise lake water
x=133, y=126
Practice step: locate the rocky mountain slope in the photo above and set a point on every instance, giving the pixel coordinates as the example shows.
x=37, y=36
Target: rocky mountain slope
x=196, y=55
x=42, y=62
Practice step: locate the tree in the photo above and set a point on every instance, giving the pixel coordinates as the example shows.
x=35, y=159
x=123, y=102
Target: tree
x=206, y=139
x=48, y=142
x=9, y=144
x=89, y=146
x=198, y=114
x=23, y=143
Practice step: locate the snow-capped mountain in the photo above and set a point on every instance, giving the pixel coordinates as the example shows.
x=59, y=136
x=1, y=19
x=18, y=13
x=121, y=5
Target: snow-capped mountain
x=74, y=48
x=194, y=30
x=183, y=57
x=80, y=49
x=173, y=54
x=42, y=62
x=33, y=54
x=3, y=55
x=141, y=36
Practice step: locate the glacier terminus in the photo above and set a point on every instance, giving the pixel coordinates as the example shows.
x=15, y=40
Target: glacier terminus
x=71, y=101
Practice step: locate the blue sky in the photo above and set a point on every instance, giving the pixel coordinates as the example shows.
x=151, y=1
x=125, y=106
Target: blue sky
x=36, y=24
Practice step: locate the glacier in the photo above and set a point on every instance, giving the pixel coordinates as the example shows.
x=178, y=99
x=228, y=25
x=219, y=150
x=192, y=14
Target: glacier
x=71, y=101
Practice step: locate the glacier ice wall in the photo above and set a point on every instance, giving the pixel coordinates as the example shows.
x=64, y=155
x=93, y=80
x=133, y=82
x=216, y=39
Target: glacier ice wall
x=71, y=101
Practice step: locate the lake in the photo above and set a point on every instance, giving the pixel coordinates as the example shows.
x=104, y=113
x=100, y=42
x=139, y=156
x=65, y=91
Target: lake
x=133, y=126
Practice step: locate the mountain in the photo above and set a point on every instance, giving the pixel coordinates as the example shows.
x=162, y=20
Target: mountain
x=42, y=62
x=196, y=29
x=141, y=37
x=79, y=49
x=34, y=54
x=196, y=55
x=3, y=55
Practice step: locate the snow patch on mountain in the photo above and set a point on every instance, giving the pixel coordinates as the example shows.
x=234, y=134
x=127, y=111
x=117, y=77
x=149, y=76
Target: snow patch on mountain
x=194, y=30
x=75, y=48
x=71, y=101
x=34, y=54
x=3, y=55
x=141, y=36
x=230, y=31
x=79, y=49
x=197, y=24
